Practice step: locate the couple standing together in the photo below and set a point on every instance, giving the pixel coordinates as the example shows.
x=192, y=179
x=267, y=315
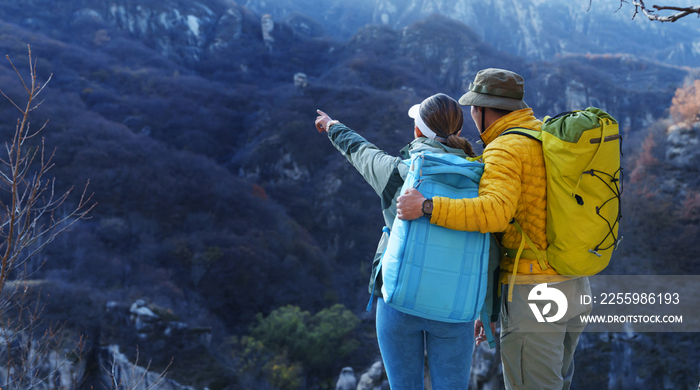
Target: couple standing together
x=512, y=187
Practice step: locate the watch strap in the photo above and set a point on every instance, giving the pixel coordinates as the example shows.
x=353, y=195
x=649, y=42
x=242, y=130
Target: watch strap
x=427, y=208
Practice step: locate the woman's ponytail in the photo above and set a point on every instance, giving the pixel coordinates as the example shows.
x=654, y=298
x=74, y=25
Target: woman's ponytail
x=457, y=142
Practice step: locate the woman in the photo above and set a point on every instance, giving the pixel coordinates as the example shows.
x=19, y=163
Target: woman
x=403, y=338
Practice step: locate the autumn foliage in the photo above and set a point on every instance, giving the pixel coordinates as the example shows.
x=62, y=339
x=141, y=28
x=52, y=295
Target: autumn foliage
x=645, y=159
x=686, y=103
x=691, y=206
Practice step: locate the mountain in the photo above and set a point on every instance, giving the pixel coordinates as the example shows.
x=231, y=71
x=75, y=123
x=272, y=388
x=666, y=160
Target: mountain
x=533, y=29
x=222, y=40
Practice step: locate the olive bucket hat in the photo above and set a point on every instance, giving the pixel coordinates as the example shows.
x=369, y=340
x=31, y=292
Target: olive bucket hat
x=496, y=88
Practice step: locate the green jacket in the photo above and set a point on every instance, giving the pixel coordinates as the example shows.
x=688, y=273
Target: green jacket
x=386, y=174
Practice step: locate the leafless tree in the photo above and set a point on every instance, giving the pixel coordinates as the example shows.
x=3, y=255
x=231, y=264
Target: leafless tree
x=123, y=375
x=678, y=12
x=32, y=215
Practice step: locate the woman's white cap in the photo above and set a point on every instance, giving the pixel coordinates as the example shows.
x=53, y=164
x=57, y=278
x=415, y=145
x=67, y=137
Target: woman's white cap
x=414, y=112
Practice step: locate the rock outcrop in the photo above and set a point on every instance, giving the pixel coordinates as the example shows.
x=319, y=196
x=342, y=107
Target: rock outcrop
x=228, y=30
x=372, y=379
x=38, y=364
x=346, y=379
x=187, y=32
x=131, y=376
x=66, y=368
x=144, y=319
x=153, y=322
x=173, y=30
x=301, y=81
x=683, y=146
x=267, y=25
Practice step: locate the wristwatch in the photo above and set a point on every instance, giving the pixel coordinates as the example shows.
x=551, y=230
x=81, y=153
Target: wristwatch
x=427, y=208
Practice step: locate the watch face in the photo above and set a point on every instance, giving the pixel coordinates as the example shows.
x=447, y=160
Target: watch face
x=428, y=206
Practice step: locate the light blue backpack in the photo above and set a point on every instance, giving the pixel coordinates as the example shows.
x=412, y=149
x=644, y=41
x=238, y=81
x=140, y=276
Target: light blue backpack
x=430, y=271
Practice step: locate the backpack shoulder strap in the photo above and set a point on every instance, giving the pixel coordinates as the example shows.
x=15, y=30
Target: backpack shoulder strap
x=386, y=230
x=534, y=134
x=486, y=321
x=540, y=255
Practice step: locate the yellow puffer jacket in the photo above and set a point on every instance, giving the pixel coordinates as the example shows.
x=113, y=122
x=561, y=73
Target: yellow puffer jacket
x=513, y=185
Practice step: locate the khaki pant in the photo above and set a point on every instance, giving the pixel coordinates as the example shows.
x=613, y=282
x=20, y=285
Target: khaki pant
x=541, y=355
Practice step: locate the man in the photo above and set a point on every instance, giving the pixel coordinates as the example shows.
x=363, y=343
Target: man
x=512, y=189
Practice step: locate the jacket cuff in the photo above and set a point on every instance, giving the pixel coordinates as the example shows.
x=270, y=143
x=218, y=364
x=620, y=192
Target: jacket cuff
x=331, y=127
x=437, y=204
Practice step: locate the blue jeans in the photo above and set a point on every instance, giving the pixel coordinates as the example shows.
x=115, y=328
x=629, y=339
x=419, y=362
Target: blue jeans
x=403, y=338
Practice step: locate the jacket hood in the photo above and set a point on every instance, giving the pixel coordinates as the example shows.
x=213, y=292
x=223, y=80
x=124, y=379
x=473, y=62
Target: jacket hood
x=520, y=118
x=423, y=144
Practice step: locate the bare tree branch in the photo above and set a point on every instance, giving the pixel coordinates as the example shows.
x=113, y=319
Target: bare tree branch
x=17, y=71
x=42, y=87
x=29, y=203
x=11, y=101
x=32, y=215
x=681, y=12
x=133, y=379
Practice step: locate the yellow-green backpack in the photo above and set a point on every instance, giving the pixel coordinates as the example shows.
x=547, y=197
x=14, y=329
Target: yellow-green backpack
x=582, y=152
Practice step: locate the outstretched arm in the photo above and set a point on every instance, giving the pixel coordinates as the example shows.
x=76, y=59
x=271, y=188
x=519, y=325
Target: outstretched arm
x=382, y=171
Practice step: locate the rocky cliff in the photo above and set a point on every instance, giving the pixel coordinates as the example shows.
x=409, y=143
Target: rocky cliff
x=536, y=30
x=448, y=52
